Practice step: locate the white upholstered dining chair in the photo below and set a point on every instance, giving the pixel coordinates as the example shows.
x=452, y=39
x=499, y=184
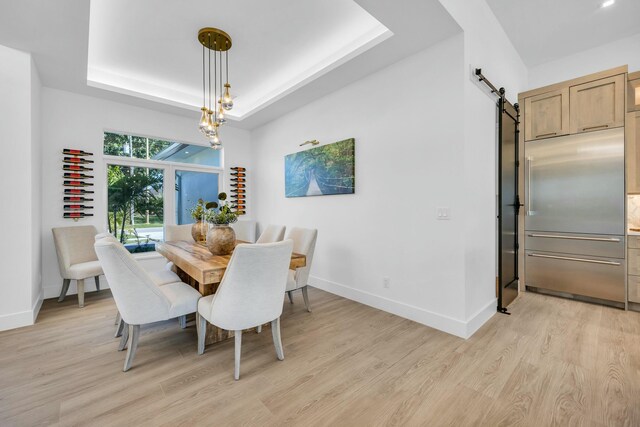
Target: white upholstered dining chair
x=160, y=277
x=139, y=300
x=273, y=233
x=245, y=231
x=178, y=232
x=77, y=259
x=249, y=295
x=304, y=242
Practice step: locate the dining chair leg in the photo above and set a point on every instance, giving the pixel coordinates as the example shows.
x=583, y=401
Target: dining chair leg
x=236, y=372
x=201, y=324
x=134, y=333
x=125, y=336
x=182, y=320
x=65, y=288
x=80, y=285
x=97, y=278
x=305, y=295
x=118, y=318
x=290, y=294
x=259, y=329
x=277, y=341
x=119, y=329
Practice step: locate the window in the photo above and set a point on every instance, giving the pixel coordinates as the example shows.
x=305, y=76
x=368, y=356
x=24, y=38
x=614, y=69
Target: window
x=191, y=186
x=153, y=182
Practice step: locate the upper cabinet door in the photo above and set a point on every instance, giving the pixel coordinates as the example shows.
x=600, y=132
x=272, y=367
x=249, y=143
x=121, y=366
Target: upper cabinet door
x=633, y=98
x=598, y=105
x=546, y=115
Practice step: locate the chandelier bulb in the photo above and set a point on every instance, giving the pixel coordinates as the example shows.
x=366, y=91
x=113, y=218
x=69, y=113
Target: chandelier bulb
x=227, y=101
x=221, y=118
x=204, y=119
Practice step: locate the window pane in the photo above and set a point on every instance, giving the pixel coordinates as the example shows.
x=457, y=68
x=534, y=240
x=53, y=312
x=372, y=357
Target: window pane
x=135, y=206
x=138, y=147
x=191, y=186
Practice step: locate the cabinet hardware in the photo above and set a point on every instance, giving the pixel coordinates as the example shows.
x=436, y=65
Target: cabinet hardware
x=595, y=127
x=546, y=134
x=593, y=239
x=566, y=258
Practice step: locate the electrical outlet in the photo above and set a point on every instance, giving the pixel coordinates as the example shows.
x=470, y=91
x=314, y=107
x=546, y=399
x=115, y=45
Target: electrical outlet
x=386, y=282
x=443, y=213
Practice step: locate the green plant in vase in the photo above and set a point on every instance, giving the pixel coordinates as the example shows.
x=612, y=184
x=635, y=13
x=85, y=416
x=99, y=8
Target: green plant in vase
x=200, y=227
x=221, y=239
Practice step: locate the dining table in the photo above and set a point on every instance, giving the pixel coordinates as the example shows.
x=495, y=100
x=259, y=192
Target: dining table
x=199, y=268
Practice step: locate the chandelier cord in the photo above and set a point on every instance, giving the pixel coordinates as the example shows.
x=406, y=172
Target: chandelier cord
x=209, y=73
x=204, y=89
x=220, y=81
x=226, y=54
x=215, y=82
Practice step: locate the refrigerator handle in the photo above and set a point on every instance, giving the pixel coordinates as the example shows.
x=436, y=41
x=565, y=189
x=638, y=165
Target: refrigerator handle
x=566, y=258
x=530, y=211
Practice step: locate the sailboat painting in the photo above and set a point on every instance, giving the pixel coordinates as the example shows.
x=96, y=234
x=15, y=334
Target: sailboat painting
x=320, y=171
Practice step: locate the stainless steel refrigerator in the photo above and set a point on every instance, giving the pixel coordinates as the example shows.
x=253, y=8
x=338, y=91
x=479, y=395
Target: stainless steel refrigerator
x=575, y=218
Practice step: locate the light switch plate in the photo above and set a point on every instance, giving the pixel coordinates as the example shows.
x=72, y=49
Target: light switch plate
x=443, y=213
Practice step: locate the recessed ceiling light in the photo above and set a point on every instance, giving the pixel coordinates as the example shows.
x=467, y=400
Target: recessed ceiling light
x=608, y=3
x=186, y=152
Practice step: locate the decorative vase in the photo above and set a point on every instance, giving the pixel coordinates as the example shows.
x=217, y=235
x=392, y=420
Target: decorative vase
x=221, y=239
x=199, y=232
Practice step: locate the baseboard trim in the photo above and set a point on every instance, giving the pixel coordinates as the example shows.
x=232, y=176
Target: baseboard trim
x=35, y=310
x=481, y=317
x=21, y=318
x=434, y=320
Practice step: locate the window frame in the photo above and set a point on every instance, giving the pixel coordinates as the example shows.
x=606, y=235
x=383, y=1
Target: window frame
x=168, y=168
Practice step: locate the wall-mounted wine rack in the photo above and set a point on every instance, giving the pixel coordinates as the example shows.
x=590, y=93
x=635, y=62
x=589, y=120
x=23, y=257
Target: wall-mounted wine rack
x=239, y=190
x=76, y=172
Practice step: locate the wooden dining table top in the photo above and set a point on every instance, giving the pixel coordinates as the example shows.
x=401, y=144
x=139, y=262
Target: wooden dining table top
x=196, y=260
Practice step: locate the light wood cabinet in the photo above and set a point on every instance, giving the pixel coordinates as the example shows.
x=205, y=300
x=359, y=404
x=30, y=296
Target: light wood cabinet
x=633, y=97
x=633, y=286
x=597, y=105
x=632, y=138
x=546, y=115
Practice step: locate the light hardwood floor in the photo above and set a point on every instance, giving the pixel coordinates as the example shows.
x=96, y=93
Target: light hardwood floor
x=553, y=362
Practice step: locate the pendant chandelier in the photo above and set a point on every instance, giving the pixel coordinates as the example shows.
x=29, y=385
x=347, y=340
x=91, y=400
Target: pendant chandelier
x=219, y=98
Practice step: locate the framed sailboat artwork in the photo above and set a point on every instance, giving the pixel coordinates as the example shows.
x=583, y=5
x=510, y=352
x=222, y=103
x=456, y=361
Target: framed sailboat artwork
x=321, y=171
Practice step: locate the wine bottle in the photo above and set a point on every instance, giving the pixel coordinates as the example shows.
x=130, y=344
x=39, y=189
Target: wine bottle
x=238, y=169
x=76, y=152
x=238, y=198
x=240, y=185
x=76, y=215
x=237, y=180
x=238, y=191
x=238, y=175
x=77, y=175
x=78, y=168
x=241, y=212
x=77, y=184
x=76, y=160
x=77, y=191
x=77, y=199
x=76, y=207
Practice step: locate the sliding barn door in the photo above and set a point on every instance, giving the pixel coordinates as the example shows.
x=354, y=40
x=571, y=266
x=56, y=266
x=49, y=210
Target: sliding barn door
x=509, y=203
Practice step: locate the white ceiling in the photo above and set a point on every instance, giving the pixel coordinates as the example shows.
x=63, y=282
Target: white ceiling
x=285, y=53
x=544, y=30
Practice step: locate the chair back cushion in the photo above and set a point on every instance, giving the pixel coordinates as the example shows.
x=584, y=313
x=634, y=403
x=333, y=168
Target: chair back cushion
x=178, y=232
x=74, y=245
x=304, y=242
x=245, y=230
x=137, y=297
x=273, y=233
x=251, y=291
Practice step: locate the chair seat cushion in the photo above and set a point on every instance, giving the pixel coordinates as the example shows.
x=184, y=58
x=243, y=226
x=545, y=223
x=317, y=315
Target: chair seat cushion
x=291, y=281
x=204, y=306
x=164, y=277
x=84, y=270
x=183, y=298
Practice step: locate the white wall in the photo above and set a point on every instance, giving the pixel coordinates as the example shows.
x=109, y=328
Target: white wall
x=36, y=189
x=20, y=285
x=77, y=121
x=486, y=46
x=409, y=141
x=621, y=52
